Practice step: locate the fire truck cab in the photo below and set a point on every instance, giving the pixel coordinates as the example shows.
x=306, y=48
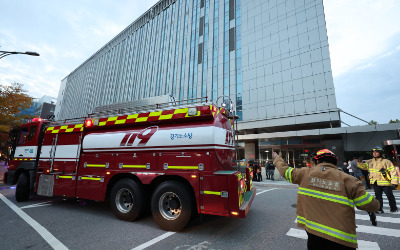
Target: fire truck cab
x=178, y=159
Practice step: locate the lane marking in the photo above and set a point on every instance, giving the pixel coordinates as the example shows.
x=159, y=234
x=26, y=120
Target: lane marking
x=378, y=219
x=153, y=241
x=166, y=235
x=266, y=191
x=46, y=235
x=37, y=205
x=362, y=244
x=378, y=230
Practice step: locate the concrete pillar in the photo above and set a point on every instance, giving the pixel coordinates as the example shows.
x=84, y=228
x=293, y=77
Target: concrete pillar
x=249, y=151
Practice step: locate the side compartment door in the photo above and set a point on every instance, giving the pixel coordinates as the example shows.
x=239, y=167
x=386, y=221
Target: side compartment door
x=214, y=192
x=64, y=160
x=91, y=174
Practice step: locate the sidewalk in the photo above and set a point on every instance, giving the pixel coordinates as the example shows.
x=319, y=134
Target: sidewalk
x=276, y=183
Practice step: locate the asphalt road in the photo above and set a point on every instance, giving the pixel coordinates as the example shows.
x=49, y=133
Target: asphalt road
x=81, y=224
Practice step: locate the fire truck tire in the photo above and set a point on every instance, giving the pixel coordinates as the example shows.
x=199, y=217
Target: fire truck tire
x=171, y=205
x=22, y=191
x=126, y=199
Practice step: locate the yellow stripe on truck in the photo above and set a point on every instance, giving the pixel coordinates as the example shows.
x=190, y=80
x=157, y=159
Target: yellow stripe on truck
x=212, y=192
x=90, y=178
x=134, y=166
x=96, y=165
x=183, y=167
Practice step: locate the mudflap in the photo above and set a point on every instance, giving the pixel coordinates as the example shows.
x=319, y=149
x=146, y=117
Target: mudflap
x=248, y=200
x=45, y=186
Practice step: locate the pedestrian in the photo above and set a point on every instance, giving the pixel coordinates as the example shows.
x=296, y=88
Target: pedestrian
x=325, y=201
x=383, y=177
x=344, y=168
x=266, y=170
x=364, y=170
x=357, y=171
x=271, y=170
x=349, y=168
x=259, y=175
x=253, y=169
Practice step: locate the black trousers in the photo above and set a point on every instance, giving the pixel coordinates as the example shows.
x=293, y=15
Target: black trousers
x=388, y=190
x=366, y=175
x=318, y=243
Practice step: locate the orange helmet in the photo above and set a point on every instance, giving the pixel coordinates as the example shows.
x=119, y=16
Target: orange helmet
x=323, y=154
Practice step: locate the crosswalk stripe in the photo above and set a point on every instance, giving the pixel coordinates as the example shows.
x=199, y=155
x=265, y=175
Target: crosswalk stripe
x=362, y=244
x=379, y=218
x=378, y=230
x=37, y=205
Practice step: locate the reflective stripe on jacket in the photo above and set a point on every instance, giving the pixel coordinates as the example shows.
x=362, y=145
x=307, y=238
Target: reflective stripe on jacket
x=326, y=200
x=375, y=165
x=362, y=165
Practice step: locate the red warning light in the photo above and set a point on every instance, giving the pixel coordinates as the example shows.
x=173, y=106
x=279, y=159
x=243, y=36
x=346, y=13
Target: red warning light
x=89, y=123
x=306, y=150
x=37, y=119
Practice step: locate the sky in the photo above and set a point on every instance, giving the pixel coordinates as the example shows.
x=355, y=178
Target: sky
x=363, y=36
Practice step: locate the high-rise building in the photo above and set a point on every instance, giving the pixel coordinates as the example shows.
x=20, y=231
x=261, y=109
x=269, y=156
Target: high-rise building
x=271, y=57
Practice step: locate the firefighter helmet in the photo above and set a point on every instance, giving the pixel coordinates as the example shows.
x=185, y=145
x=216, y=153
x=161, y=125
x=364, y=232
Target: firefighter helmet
x=325, y=155
x=378, y=149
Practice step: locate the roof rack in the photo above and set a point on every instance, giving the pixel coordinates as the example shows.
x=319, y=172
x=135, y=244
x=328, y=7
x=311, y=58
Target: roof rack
x=132, y=107
x=70, y=121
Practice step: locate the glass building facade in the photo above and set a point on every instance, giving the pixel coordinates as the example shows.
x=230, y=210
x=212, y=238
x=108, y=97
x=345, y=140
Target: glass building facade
x=271, y=57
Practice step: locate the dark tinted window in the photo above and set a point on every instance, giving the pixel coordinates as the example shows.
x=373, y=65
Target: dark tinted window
x=32, y=132
x=22, y=136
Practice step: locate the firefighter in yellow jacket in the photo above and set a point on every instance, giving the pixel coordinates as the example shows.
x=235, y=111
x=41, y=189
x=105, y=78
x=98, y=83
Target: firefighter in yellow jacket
x=326, y=200
x=383, y=178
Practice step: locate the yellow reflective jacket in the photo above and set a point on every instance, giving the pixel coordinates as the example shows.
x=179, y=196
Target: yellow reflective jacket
x=375, y=175
x=362, y=165
x=326, y=200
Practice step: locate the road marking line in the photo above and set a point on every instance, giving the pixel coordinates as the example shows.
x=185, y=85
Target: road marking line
x=153, y=241
x=378, y=230
x=379, y=218
x=37, y=205
x=166, y=235
x=266, y=191
x=362, y=244
x=46, y=235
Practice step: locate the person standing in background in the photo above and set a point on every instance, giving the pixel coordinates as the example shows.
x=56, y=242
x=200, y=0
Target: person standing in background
x=384, y=178
x=364, y=170
x=349, y=168
x=344, y=168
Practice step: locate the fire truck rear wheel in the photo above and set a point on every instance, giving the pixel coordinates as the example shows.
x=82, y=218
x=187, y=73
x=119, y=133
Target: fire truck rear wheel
x=22, y=191
x=171, y=205
x=127, y=199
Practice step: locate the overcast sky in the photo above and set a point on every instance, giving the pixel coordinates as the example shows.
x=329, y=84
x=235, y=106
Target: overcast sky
x=364, y=40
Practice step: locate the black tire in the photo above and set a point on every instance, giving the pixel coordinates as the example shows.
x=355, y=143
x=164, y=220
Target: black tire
x=126, y=199
x=22, y=191
x=171, y=205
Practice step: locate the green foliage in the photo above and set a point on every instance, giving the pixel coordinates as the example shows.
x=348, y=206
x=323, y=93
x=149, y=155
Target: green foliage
x=373, y=122
x=13, y=99
x=394, y=121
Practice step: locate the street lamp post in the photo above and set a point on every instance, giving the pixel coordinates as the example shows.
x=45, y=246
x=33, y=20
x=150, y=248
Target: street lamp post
x=7, y=53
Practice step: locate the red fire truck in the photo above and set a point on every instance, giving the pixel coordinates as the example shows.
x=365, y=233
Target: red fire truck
x=177, y=160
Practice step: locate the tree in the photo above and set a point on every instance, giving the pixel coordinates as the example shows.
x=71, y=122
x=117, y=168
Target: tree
x=394, y=121
x=12, y=101
x=372, y=122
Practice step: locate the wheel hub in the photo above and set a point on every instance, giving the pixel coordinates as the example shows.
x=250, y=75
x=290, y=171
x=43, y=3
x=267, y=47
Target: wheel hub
x=124, y=200
x=170, y=206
